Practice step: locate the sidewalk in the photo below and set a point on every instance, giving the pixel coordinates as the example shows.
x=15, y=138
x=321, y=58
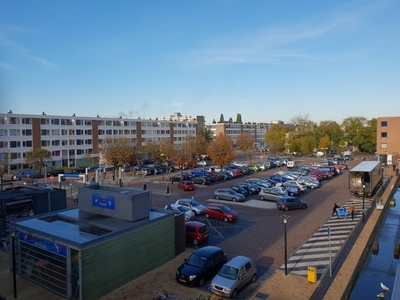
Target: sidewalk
x=281, y=287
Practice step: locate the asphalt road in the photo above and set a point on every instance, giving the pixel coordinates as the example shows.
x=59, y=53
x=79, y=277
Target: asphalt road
x=259, y=231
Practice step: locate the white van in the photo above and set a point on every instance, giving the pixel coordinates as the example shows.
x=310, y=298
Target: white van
x=291, y=164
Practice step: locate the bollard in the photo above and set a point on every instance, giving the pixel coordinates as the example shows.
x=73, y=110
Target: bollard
x=144, y=186
x=167, y=189
x=375, y=248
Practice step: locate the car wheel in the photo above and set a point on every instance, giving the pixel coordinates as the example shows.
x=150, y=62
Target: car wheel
x=203, y=183
x=207, y=216
x=262, y=198
x=195, y=242
x=291, y=194
x=201, y=281
x=217, y=197
x=234, y=294
x=250, y=192
x=286, y=208
x=313, y=187
x=303, y=206
x=234, y=199
x=226, y=220
x=254, y=278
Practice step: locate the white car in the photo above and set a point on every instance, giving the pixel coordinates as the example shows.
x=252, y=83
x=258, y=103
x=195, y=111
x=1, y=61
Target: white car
x=240, y=164
x=189, y=215
x=192, y=204
x=201, y=163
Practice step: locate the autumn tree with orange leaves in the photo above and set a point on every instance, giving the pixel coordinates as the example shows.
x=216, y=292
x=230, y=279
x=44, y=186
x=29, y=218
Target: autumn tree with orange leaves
x=221, y=150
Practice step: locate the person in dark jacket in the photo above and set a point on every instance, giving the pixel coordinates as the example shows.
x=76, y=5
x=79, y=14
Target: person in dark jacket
x=336, y=206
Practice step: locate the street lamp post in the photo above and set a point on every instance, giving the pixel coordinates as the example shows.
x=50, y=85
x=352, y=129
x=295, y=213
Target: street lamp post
x=285, y=219
x=12, y=233
x=363, y=186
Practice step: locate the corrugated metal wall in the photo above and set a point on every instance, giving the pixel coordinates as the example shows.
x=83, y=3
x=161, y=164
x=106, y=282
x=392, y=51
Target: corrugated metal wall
x=113, y=263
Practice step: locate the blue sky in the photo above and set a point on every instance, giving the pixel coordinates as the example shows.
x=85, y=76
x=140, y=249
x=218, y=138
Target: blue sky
x=266, y=60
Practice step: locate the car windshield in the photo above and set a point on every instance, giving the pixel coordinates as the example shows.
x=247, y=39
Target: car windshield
x=196, y=260
x=183, y=209
x=229, y=272
x=225, y=208
x=194, y=203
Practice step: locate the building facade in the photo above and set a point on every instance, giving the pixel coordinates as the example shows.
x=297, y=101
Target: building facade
x=233, y=130
x=387, y=139
x=75, y=140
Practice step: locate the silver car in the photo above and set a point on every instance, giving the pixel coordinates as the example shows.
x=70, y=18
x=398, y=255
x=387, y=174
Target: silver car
x=193, y=205
x=233, y=276
x=228, y=194
x=271, y=194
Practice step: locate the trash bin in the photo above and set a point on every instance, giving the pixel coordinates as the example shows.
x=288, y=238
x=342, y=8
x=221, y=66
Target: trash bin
x=312, y=274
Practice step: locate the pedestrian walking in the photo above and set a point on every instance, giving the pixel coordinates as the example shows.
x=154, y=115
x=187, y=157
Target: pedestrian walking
x=397, y=171
x=335, y=207
x=352, y=210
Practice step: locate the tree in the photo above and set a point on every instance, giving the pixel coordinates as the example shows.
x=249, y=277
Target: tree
x=5, y=163
x=368, y=143
x=245, y=142
x=330, y=128
x=221, y=150
x=206, y=133
x=116, y=151
x=239, y=119
x=276, y=137
x=151, y=150
x=38, y=158
x=307, y=144
x=221, y=119
x=230, y=120
x=324, y=144
x=214, y=121
x=353, y=127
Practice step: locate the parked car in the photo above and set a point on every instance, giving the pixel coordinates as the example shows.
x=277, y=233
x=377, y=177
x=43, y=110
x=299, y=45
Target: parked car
x=309, y=182
x=201, y=180
x=301, y=185
x=189, y=215
x=80, y=170
x=199, y=172
x=180, y=177
x=254, y=167
x=228, y=194
x=247, y=186
x=280, y=177
x=202, y=265
x=193, y=205
x=44, y=185
x=240, y=164
x=226, y=174
x=55, y=172
x=186, y=185
x=288, y=202
x=239, y=189
x=292, y=190
x=258, y=184
x=220, y=212
x=291, y=164
x=233, y=276
x=196, y=232
x=271, y=194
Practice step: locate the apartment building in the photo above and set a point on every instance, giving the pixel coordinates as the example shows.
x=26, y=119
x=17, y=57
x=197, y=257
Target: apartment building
x=233, y=130
x=74, y=140
x=387, y=139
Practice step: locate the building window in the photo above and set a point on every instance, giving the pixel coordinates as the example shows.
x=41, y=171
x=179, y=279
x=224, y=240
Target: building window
x=15, y=132
x=66, y=122
x=27, y=144
x=384, y=134
x=26, y=121
x=55, y=143
x=27, y=132
x=3, y=132
x=14, y=121
x=383, y=145
x=384, y=123
x=55, y=132
x=88, y=132
x=88, y=142
x=44, y=121
x=79, y=122
x=15, y=144
x=3, y=145
x=44, y=132
x=55, y=121
x=101, y=123
x=88, y=122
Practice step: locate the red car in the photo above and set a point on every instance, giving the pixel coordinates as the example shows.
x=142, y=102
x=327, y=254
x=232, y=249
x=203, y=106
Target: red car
x=186, y=185
x=221, y=212
x=196, y=232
